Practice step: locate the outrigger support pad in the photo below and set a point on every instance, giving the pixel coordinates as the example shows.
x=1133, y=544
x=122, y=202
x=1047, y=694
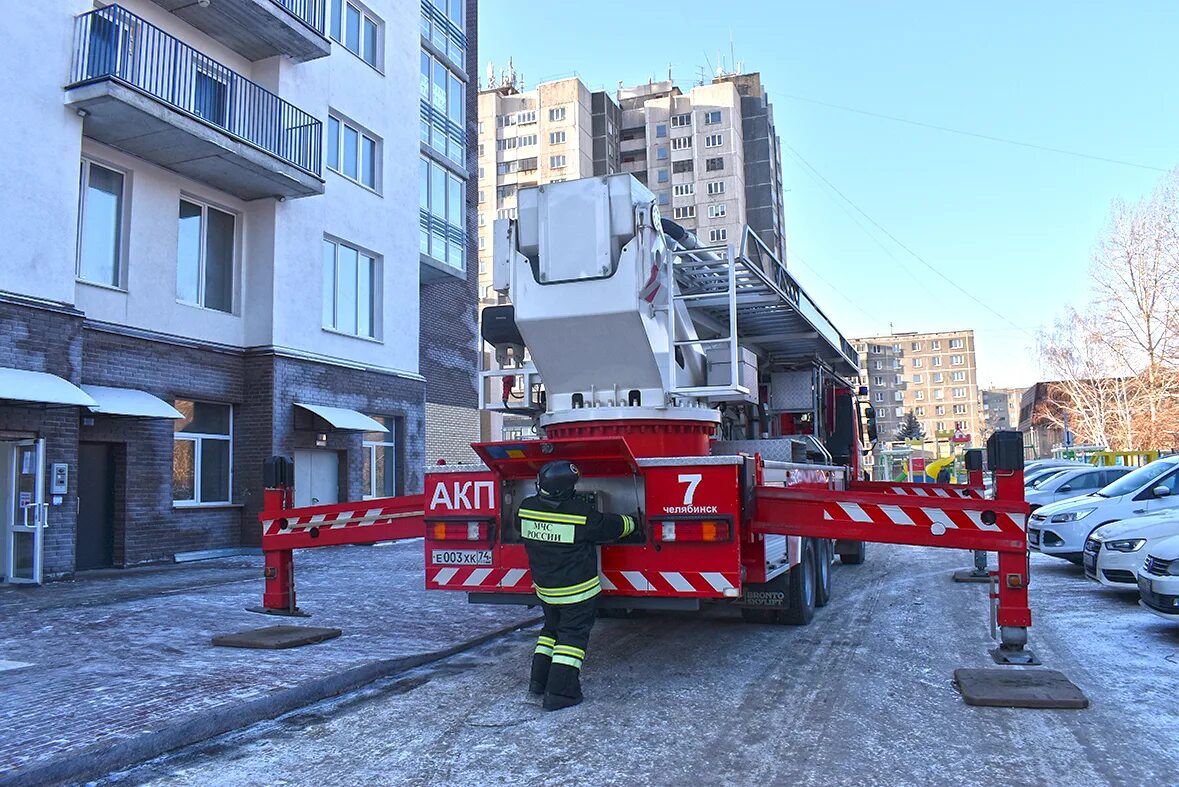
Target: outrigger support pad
x=977, y=574
x=1012, y=648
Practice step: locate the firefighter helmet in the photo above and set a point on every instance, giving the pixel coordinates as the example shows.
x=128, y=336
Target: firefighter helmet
x=557, y=480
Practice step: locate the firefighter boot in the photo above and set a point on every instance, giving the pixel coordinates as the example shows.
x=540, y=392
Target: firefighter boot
x=540, y=673
x=564, y=687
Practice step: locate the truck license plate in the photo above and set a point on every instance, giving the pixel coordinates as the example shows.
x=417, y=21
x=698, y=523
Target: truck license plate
x=460, y=557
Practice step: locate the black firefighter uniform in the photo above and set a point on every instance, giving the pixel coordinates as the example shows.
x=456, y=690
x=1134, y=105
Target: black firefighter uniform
x=561, y=539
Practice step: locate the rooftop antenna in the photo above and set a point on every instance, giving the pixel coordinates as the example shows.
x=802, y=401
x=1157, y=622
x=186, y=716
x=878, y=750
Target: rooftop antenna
x=710, y=69
x=490, y=74
x=732, y=57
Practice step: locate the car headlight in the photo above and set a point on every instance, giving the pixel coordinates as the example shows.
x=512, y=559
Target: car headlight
x=1173, y=569
x=1126, y=544
x=1073, y=516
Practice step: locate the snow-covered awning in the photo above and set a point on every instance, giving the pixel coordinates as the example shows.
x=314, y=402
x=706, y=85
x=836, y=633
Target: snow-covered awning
x=21, y=385
x=343, y=418
x=129, y=401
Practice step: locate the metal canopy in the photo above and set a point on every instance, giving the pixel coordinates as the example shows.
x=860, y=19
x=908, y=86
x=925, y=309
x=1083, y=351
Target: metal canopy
x=343, y=418
x=129, y=402
x=775, y=316
x=20, y=385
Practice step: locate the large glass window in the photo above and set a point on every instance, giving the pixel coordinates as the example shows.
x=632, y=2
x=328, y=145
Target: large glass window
x=352, y=153
x=351, y=290
x=443, y=108
x=206, y=241
x=358, y=29
x=444, y=25
x=202, y=453
x=380, y=460
x=442, y=202
x=101, y=234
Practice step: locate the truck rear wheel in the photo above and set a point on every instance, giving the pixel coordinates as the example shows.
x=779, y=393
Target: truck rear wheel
x=854, y=555
x=824, y=554
x=801, y=589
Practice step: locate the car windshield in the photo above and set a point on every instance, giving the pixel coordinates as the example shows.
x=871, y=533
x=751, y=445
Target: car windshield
x=1041, y=476
x=1132, y=482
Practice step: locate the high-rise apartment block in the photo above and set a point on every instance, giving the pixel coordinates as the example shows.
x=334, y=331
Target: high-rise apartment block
x=880, y=371
x=210, y=262
x=1000, y=409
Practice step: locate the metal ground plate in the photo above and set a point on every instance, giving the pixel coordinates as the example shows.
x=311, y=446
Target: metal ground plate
x=968, y=575
x=1019, y=688
x=276, y=637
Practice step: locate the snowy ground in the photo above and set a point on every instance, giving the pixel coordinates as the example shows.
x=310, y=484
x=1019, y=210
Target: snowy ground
x=862, y=696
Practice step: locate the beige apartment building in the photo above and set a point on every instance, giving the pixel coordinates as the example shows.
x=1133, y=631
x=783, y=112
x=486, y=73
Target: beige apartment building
x=940, y=373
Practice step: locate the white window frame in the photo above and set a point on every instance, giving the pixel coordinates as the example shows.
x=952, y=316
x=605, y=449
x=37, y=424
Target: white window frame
x=958, y=377
x=684, y=189
x=717, y=211
x=920, y=411
x=936, y=344
x=917, y=363
x=718, y=235
x=939, y=393
x=957, y=344
x=198, y=439
x=558, y=161
x=375, y=290
x=681, y=143
x=557, y=137
x=681, y=120
x=557, y=114
x=340, y=36
x=684, y=212
x=960, y=409
x=937, y=360
x=957, y=360
x=958, y=393
x=370, y=448
x=716, y=187
x=120, y=252
x=919, y=396
x=712, y=117
x=714, y=140
x=202, y=261
x=362, y=134
x=939, y=410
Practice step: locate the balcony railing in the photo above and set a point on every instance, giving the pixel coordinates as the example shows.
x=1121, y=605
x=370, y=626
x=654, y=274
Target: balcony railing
x=310, y=11
x=111, y=43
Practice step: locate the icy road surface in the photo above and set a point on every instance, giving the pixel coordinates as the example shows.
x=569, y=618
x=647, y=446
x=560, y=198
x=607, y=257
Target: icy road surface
x=861, y=696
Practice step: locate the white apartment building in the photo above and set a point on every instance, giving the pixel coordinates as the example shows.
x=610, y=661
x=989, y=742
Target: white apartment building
x=211, y=262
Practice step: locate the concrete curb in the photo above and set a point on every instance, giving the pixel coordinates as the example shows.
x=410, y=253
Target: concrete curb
x=101, y=760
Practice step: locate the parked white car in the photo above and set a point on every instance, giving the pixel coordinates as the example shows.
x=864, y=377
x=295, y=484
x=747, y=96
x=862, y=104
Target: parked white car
x=1060, y=529
x=1115, y=552
x=1070, y=482
x=1158, y=579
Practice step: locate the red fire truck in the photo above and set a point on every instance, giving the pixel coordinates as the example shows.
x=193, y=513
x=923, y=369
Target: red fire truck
x=695, y=383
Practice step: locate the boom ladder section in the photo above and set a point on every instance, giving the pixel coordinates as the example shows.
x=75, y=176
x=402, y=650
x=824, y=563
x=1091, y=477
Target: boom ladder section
x=728, y=292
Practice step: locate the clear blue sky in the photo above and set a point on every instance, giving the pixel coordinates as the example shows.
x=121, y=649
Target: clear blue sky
x=1015, y=226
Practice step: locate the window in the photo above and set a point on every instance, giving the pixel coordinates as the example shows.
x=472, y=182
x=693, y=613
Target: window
x=681, y=166
x=358, y=30
x=678, y=121
x=960, y=426
x=714, y=140
x=100, y=232
x=899, y=379
x=915, y=346
x=937, y=377
x=879, y=397
x=556, y=114
x=529, y=139
x=939, y=410
x=937, y=360
x=956, y=344
x=661, y=176
x=919, y=395
x=716, y=211
x=939, y=394
x=959, y=409
x=482, y=196
x=958, y=377
x=556, y=162
x=508, y=143
x=917, y=363
x=202, y=453
x=957, y=360
x=878, y=364
x=718, y=235
x=920, y=411
x=714, y=164
x=936, y=344
x=205, y=247
x=716, y=187
x=506, y=213
x=524, y=118
x=878, y=380
x=959, y=393
x=917, y=378
x=442, y=214
x=681, y=143
x=379, y=478
x=660, y=130
x=351, y=289
x=900, y=412
x=664, y=199
x=940, y=426
x=712, y=117
x=684, y=189
x=503, y=192
x=351, y=152
x=685, y=212
x=556, y=137
x=443, y=114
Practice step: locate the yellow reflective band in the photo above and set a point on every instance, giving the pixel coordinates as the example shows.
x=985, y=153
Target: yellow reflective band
x=570, y=589
x=569, y=599
x=628, y=526
x=569, y=650
x=568, y=661
x=551, y=516
x=546, y=640
x=544, y=650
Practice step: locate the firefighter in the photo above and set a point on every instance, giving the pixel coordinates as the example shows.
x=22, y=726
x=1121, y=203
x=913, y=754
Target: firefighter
x=561, y=534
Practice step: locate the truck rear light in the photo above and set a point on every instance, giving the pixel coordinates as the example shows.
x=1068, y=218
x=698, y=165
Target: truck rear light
x=697, y=530
x=458, y=531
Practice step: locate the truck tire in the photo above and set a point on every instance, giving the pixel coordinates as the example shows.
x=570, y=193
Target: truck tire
x=854, y=556
x=823, y=557
x=800, y=594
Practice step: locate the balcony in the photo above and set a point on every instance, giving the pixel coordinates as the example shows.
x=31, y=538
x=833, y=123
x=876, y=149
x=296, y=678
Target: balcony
x=258, y=29
x=144, y=92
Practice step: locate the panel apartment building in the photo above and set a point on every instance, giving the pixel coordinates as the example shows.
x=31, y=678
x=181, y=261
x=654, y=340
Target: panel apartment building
x=880, y=371
x=211, y=261
x=940, y=376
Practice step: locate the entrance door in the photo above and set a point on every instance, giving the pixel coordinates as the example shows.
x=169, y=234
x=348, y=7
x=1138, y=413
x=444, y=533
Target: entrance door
x=96, y=506
x=317, y=478
x=26, y=511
